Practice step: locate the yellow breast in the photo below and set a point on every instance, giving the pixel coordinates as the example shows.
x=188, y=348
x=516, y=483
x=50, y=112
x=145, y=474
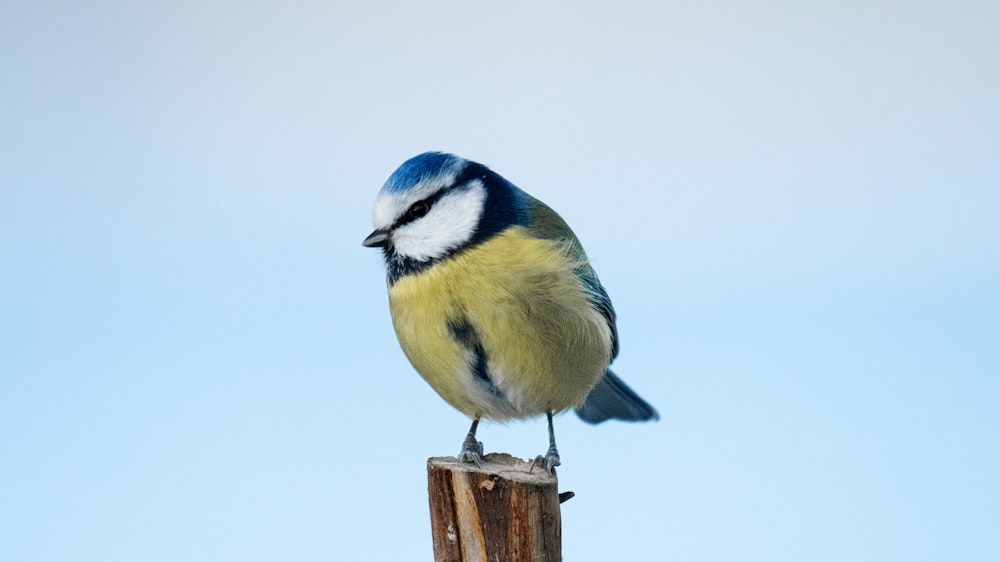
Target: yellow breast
x=544, y=345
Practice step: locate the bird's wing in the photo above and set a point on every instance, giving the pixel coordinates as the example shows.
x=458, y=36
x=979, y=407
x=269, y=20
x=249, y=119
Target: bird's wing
x=546, y=224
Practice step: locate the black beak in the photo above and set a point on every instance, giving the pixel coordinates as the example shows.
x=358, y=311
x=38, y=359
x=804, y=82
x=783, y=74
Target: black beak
x=377, y=239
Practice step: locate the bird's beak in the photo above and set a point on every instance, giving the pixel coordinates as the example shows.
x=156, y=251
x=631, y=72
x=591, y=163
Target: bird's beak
x=377, y=239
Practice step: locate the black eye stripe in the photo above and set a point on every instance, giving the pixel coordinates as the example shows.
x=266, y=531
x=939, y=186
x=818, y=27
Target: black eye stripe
x=425, y=205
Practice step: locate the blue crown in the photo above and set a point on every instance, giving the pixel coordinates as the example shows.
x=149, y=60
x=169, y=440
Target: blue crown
x=422, y=168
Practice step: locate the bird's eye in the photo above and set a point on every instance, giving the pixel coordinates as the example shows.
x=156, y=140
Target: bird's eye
x=418, y=210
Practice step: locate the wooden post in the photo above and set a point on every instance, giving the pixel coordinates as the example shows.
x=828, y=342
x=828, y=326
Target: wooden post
x=498, y=510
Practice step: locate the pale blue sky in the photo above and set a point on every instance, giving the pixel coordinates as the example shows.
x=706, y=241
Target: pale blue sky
x=793, y=207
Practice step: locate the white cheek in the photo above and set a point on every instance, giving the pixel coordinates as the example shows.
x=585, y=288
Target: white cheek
x=450, y=223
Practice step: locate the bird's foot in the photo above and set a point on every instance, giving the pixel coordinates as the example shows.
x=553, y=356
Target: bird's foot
x=472, y=451
x=550, y=460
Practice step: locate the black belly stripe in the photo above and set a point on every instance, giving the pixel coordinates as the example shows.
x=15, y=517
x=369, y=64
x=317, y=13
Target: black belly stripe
x=463, y=331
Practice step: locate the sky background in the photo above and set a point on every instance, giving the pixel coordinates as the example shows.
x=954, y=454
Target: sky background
x=794, y=207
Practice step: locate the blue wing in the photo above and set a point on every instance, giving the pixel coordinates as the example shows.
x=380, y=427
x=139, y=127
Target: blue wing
x=602, y=302
x=611, y=398
x=546, y=223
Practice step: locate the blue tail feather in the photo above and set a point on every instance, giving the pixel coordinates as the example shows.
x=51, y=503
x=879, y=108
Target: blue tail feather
x=613, y=399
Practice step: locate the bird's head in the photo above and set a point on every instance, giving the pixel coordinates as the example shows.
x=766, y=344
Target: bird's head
x=436, y=204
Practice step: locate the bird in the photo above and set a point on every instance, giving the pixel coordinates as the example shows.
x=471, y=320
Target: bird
x=494, y=301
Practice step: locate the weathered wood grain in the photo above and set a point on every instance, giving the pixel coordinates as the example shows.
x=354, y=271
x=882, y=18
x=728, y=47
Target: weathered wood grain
x=500, y=510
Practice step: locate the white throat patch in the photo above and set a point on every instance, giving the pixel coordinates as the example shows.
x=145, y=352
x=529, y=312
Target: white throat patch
x=450, y=223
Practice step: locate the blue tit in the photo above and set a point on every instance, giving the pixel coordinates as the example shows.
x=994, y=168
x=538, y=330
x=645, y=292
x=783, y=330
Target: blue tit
x=493, y=300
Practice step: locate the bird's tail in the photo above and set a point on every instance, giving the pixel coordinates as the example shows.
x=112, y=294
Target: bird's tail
x=613, y=399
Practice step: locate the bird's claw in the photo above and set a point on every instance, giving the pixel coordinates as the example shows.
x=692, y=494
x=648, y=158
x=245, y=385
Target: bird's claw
x=550, y=460
x=472, y=451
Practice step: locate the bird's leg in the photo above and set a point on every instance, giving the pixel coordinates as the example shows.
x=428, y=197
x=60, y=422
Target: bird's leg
x=472, y=450
x=551, y=459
